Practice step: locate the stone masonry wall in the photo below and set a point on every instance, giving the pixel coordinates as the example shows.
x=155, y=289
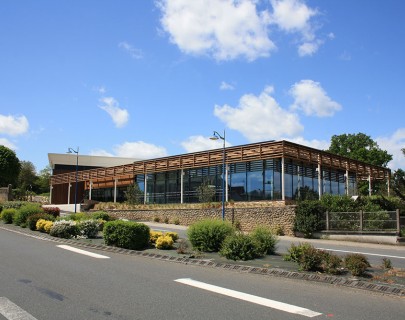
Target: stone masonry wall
x=280, y=218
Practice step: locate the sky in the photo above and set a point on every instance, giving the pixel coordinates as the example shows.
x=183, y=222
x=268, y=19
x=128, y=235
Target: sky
x=146, y=79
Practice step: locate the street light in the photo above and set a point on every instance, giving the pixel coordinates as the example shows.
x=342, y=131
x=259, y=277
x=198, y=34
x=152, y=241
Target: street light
x=70, y=150
x=217, y=136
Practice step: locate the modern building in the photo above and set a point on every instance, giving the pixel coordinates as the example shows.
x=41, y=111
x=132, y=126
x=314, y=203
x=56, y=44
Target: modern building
x=273, y=170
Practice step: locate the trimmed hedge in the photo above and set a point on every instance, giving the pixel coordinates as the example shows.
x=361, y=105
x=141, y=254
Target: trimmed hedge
x=126, y=234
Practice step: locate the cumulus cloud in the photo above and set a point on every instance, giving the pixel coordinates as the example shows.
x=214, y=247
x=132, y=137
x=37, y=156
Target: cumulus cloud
x=316, y=144
x=101, y=153
x=13, y=125
x=139, y=150
x=133, y=52
x=260, y=117
x=225, y=29
x=311, y=98
x=201, y=143
x=393, y=144
x=7, y=143
x=226, y=86
x=119, y=116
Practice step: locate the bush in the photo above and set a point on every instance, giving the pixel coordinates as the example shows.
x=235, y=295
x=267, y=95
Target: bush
x=166, y=220
x=295, y=252
x=32, y=220
x=24, y=212
x=156, y=219
x=154, y=235
x=64, y=229
x=55, y=211
x=182, y=247
x=78, y=216
x=173, y=235
x=126, y=234
x=13, y=204
x=89, y=228
x=164, y=242
x=48, y=226
x=102, y=215
x=356, y=263
x=239, y=247
x=266, y=241
x=176, y=221
x=7, y=215
x=208, y=235
x=40, y=225
x=331, y=263
x=308, y=217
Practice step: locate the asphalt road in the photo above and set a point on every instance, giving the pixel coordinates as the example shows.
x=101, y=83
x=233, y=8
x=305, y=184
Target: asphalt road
x=374, y=252
x=41, y=280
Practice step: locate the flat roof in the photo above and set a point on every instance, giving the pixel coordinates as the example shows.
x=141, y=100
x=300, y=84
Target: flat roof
x=88, y=161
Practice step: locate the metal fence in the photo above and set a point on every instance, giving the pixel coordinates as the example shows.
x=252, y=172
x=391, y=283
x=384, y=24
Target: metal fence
x=390, y=221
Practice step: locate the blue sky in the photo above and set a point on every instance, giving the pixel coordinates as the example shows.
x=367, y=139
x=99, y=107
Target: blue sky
x=146, y=79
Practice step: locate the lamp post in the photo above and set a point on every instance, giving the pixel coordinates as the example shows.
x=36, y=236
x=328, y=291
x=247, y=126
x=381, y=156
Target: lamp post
x=70, y=150
x=217, y=136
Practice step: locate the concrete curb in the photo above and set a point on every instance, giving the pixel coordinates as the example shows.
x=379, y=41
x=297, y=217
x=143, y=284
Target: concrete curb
x=387, y=289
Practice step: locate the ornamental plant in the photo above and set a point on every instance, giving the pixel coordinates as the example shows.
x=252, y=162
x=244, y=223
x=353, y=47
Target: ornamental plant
x=265, y=241
x=154, y=235
x=8, y=215
x=164, y=243
x=89, y=228
x=24, y=212
x=126, y=234
x=356, y=263
x=173, y=235
x=32, y=220
x=48, y=226
x=64, y=229
x=54, y=211
x=239, y=246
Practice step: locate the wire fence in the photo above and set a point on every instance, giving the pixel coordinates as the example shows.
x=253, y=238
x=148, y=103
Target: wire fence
x=389, y=221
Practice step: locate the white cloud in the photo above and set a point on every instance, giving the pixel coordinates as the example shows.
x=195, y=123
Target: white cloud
x=133, y=52
x=7, y=143
x=139, y=150
x=101, y=90
x=100, y=152
x=316, y=144
x=13, y=125
x=311, y=98
x=201, y=143
x=393, y=144
x=294, y=16
x=226, y=86
x=225, y=29
x=260, y=117
x=119, y=116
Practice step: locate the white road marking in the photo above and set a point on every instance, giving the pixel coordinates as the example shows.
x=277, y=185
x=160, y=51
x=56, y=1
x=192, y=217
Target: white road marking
x=251, y=298
x=87, y=253
x=365, y=253
x=13, y=312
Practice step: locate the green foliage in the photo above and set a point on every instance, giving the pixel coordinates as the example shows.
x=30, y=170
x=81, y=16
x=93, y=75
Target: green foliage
x=308, y=217
x=25, y=211
x=102, y=215
x=125, y=234
x=64, y=229
x=331, y=263
x=402, y=233
x=205, y=192
x=9, y=167
x=356, y=263
x=208, y=235
x=7, y=215
x=133, y=194
x=89, y=228
x=27, y=178
x=239, y=246
x=32, y=220
x=386, y=263
x=78, y=216
x=13, y=204
x=54, y=211
x=295, y=252
x=173, y=235
x=265, y=241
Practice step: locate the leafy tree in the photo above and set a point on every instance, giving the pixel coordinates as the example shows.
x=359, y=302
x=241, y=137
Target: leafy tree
x=9, y=167
x=205, y=192
x=359, y=147
x=27, y=176
x=43, y=179
x=133, y=194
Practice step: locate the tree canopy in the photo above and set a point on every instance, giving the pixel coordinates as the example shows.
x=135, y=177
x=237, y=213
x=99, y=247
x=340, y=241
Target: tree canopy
x=9, y=167
x=359, y=147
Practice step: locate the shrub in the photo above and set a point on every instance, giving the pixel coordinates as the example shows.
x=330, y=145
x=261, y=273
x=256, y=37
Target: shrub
x=79, y=216
x=156, y=219
x=126, y=234
x=8, y=215
x=295, y=252
x=173, y=235
x=154, y=235
x=55, y=211
x=32, y=220
x=331, y=263
x=164, y=242
x=48, y=226
x=311, y=259
x=24, y=212
x=64, y=229
x=89, y=228
x=356, y=263
x=208, y=235
x=308, y=217
x=13, y=204
x=386, y=263
x=239, y=247
x=266, y=241
x=182, y=247
x=102, y=215
x=176, y=221
x=166, y=220
x=40, y=225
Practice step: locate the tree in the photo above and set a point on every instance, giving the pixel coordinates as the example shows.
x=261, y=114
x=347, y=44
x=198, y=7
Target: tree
x=43, y=180
x=133, y=194
x=206, y=192
x=9, y=167
x=359, y=147
x=27, y=176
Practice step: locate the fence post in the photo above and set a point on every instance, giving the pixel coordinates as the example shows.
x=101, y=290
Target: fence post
x=327, y=220
x=398, y=224
x=361, y=220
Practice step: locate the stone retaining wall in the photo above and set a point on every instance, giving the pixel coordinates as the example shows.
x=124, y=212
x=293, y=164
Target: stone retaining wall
x=277, y=218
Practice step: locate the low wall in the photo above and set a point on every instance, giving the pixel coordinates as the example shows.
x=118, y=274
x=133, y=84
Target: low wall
x=280, y=218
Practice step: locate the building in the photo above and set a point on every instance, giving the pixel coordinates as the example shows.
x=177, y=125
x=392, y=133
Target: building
x=274, y=170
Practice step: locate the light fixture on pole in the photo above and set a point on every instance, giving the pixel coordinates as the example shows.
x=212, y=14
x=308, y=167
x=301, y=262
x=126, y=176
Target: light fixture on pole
x=217, y=136
x=70, y=150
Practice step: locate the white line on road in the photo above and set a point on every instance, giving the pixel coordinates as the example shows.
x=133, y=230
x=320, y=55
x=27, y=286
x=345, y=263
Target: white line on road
x=87, y=253
x=13, y=312
x=251, y=298
x=365, y=253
